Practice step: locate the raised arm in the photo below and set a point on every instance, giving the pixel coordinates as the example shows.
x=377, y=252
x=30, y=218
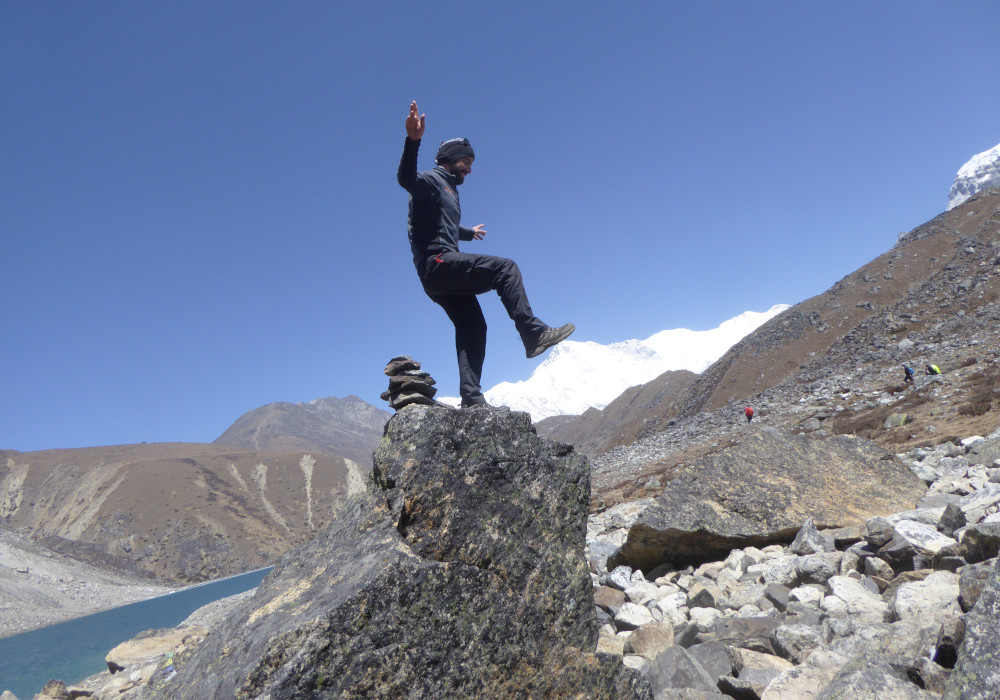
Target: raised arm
x=415, y=124
x=406, y=176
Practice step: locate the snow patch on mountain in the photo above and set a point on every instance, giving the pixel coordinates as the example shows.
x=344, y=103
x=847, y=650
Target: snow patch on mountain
x=979, y=173
x=581, y=375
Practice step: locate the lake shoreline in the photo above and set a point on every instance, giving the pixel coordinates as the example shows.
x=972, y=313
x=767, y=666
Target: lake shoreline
x=40, y=587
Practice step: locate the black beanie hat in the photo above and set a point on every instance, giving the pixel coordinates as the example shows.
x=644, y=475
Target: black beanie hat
x=454, y=149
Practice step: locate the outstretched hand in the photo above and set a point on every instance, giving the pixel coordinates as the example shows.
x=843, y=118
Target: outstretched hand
x=478, y=232
x=414, y=123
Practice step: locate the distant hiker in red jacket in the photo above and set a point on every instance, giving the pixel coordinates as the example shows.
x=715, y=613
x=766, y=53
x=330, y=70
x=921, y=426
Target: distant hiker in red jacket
x=749, y=414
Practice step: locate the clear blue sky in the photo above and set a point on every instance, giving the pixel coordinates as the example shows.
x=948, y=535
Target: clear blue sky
x=199, y=213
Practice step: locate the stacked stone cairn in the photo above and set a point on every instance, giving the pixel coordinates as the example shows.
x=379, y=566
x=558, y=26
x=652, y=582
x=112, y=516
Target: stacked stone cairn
x=408, y=384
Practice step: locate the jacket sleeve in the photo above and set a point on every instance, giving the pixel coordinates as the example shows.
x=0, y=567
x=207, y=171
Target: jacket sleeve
x=407, y=176
x=465, y=233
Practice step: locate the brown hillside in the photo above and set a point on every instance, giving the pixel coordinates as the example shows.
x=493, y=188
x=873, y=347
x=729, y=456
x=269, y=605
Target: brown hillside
x=832, y=364
x=935, y=271
x=182, y=512
x=623, y=420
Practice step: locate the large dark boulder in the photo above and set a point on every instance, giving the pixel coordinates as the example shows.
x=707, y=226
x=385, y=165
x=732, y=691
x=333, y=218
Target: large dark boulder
x=762, y=490
x=976, y=676
x=460, y=574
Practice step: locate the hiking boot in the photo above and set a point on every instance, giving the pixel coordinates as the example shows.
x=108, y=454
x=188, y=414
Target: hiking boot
x=548, y=338
x=475, y=404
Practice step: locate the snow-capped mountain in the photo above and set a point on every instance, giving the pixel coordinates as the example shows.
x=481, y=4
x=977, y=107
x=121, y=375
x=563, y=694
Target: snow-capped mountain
x=581, y=375
x=980, y=172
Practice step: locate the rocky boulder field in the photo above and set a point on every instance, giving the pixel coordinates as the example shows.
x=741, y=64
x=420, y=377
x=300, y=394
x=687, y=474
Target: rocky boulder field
x=878, y=609
x=470, y=569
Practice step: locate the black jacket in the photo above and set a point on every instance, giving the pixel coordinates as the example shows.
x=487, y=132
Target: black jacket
x=433, y=223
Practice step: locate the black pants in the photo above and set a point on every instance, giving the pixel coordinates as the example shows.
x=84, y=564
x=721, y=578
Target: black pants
x=452, y=280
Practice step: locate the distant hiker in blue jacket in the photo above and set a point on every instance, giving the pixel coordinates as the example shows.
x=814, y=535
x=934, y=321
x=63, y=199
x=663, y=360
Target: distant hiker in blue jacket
x=907, y=374
x=452, y=279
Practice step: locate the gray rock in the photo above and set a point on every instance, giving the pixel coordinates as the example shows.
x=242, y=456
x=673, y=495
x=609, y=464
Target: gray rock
x=984, y=452
x=924, y=538
x=778, y=595
x=420, y=573
x=870, y=678
x=971, y=581
x=620, y=577
x=410, y=398
x=896, y=420
x=877, y=531
x=796, y=642
x=976, y=676
x=928, y=675
x=878, y=567
x=850, y=562
x=750, y=684
x=406, y=383
x=400, y=364
x=808, y=540
x=649, y=640
x=753, y=633
x=934, y=597
x=632, y=616
x=898, y=553
x=713, y=657
x=800, y=683
x=981, y=542
x=767, y=486
x=859, y=601
x=675, y=668
x=952, y=519
x=898, y=643
x=981, y=502
x=818, y=568
x=610, y=599
x=704, y=596
x=749, y=594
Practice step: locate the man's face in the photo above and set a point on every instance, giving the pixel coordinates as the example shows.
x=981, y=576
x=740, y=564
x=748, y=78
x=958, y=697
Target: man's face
x=460, y=168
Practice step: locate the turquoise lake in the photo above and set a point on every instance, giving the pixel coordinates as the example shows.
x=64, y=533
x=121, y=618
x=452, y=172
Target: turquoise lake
x=72, y=650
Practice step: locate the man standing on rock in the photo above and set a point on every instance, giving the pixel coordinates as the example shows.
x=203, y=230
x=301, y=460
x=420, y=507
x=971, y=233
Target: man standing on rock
x=452, y=279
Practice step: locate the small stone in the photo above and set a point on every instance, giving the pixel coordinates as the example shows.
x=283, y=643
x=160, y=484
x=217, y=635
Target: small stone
x=952, y=519
x=632, y=616
x=971, y=582
x=808, y=595
x=401, y=363
x=877, y=531
x=796, y=642
x=810, y=541
x=817, y=568
x=704, y=596
x=649, y=640
x=704, y=618
x=402, y=400
x=878, y=568
x=981, y=542
x=610, y=599
x=778, y=595
x=620, y=577
x=610, y=645
x=406, y=383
